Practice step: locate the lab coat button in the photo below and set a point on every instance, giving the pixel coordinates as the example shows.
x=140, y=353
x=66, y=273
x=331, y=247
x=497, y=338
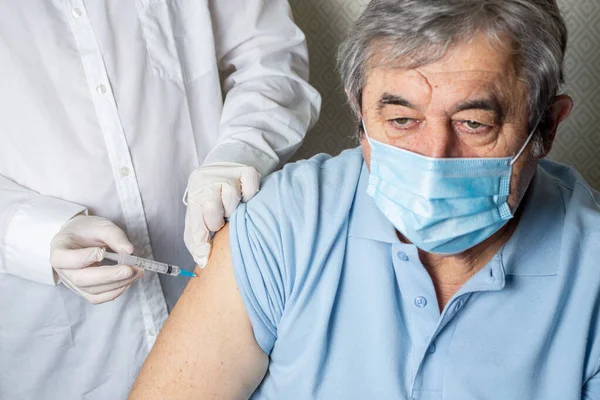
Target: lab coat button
x=76, y=12
x=101, y=89
x=124, y=171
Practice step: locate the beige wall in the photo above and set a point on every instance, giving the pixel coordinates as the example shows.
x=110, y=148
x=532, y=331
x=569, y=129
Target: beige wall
x=578, y=144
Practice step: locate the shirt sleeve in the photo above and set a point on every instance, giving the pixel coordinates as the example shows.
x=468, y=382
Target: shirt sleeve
x=269, y=104
x=280, y=240
x=257, y=261
x=28, y=222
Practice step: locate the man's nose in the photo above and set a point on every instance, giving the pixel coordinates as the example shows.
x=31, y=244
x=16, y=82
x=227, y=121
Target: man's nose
x=437, y=140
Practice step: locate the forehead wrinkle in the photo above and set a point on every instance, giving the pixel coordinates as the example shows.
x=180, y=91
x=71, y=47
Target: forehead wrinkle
x=410, y=85
x=426, y=86
x=489, y=84
x=421, y=86
x=500, y=77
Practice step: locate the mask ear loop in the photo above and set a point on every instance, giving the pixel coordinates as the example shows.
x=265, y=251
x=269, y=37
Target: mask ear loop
x=514, y=160
x=362, y=121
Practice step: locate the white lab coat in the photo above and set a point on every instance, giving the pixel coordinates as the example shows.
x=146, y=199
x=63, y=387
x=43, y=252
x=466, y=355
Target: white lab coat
x=106, y=106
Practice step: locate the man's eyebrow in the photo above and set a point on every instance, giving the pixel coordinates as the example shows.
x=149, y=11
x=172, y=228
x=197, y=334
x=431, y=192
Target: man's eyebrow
x=393, y=99
x=488, y=104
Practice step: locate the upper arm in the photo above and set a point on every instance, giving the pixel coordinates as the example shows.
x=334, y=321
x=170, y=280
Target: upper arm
x=263, y=28
x=206, y=348
x=269, y=103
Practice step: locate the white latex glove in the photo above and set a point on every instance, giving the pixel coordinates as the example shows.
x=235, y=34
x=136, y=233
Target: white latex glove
x=79, y=246
x=214, y=191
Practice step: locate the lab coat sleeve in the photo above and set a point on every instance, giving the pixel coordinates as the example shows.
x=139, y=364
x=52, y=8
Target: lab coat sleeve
x=28, y=222
x=269, y=104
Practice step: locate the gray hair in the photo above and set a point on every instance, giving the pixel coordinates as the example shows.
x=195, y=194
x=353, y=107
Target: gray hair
x=413, y=33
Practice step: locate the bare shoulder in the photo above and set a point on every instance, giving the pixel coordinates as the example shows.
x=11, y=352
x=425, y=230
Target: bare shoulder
x=207, y=342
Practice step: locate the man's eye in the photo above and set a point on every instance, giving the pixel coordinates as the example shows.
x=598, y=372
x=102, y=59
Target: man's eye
x=474, y=125
x=402, y=121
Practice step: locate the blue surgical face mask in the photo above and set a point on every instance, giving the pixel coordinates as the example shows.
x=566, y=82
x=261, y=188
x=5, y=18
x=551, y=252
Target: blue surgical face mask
x=443, y=206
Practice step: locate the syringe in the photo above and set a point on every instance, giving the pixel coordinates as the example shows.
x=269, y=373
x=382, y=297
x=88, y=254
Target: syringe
x=150, y=265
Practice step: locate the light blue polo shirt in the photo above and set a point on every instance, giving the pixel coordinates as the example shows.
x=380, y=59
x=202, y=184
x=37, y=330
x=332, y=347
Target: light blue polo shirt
x=346, y=311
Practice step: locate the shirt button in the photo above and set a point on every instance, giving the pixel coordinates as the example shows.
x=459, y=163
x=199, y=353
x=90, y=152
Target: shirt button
x=458, y=305
x=420, y=301
x=402, y=256
x=76, y=13
x=101, y=89
x=124, y=171
x=151, y=332
x=431, y=348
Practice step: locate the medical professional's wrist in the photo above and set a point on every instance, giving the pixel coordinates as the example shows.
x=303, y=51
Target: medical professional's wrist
x=240, y=153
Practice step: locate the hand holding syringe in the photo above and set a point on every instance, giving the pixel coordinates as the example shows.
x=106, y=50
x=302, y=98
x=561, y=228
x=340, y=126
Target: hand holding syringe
x=149, y=265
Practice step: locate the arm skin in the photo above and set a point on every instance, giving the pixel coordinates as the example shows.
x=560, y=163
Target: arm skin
x=206, y=350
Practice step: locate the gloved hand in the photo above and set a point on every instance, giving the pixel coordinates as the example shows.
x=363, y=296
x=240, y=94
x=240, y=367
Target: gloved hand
x=76, y=249
x=214, y=192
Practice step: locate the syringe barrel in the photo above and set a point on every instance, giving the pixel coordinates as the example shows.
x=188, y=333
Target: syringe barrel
x=150, y=265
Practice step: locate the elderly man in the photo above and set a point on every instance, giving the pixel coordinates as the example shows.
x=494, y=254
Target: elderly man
x=441, y=260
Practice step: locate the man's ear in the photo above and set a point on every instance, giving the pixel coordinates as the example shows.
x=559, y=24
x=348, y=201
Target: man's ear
x=559, y=110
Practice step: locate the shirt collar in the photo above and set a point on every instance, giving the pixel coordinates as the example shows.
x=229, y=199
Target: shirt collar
x=366, y=221
x=534, y=247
